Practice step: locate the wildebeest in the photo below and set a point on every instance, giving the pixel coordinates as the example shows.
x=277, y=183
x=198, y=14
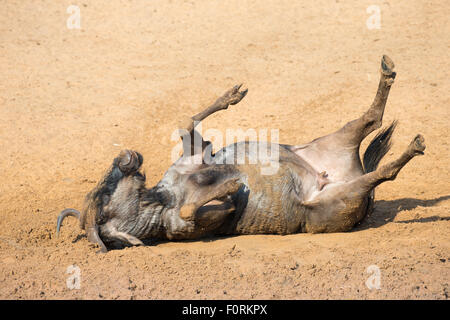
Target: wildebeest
x=320, y=186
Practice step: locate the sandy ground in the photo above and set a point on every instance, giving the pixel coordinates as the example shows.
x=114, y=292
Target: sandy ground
x=71, y=99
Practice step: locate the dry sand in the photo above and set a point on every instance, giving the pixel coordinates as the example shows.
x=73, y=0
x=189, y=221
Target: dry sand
x=70, y=100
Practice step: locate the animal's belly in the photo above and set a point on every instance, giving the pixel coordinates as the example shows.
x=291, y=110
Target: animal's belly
x=275, y=186
x=266, y=204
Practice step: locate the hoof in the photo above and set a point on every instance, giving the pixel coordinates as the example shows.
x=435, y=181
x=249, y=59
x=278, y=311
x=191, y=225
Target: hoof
x=387, y=66
x=417, y=146
x=233, y=96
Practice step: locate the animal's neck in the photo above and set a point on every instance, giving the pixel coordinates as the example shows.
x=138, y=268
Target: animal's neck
x=147, y=223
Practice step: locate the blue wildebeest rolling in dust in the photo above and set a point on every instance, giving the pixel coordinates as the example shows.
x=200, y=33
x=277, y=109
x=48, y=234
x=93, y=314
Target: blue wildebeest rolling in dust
x=320, y=186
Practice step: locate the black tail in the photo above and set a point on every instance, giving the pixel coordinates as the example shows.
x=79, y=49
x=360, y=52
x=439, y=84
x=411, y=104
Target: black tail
x=378, y=148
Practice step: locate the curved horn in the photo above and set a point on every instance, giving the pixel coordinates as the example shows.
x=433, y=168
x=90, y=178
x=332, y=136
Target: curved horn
x=92, y=235
x=63, y=215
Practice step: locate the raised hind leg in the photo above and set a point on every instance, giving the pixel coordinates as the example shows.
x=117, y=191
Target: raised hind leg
x=338, y=153
x=355, y=131
x=339, y=207
x=389, y=171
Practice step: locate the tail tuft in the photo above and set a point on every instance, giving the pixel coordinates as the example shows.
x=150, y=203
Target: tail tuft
x=378, y=148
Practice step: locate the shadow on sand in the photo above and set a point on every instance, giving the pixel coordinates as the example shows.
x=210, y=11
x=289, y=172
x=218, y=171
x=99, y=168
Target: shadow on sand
x=386, y=211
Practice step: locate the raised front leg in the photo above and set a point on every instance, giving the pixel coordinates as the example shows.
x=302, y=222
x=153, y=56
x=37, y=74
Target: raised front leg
x=186, y=128
x=204, y=204
x=202, y=216
x=207, y=194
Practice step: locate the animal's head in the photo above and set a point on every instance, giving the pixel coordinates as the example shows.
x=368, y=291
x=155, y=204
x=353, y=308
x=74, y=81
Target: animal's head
x=116, y=196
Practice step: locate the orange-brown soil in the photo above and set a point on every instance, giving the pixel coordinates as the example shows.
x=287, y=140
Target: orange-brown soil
x=71, y=99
